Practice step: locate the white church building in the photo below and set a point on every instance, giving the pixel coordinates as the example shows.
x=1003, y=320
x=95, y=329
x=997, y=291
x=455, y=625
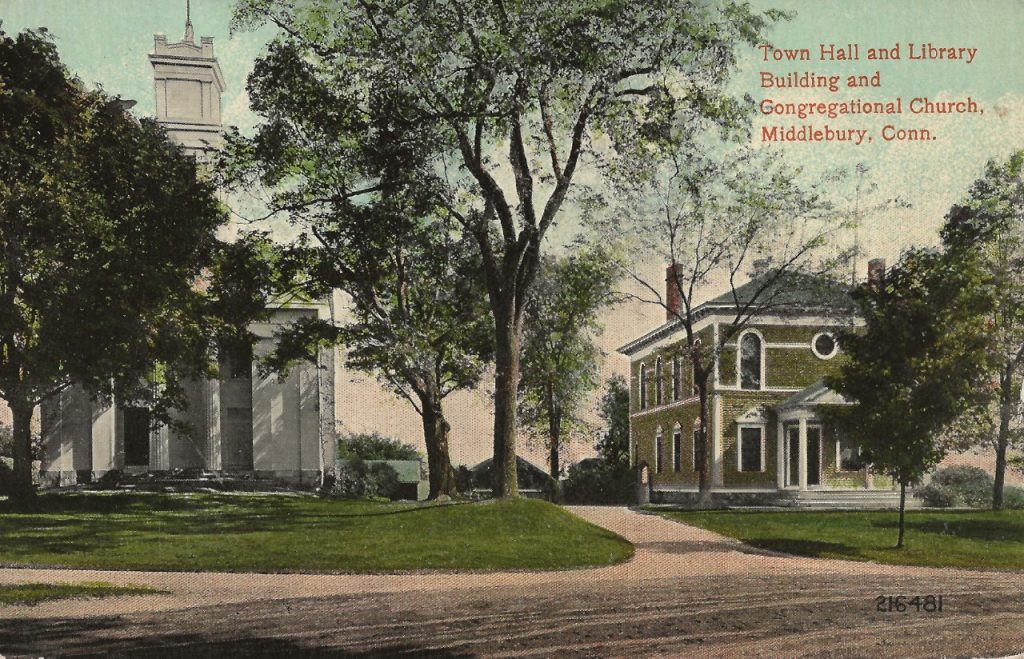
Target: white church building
x=242, y=423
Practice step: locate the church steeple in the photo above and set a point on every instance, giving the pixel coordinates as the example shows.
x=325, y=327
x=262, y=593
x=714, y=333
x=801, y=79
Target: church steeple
x=189, y=35
x=189, y=85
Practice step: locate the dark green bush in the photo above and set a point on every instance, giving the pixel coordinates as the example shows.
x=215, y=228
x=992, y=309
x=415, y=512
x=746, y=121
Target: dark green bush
x=1013, y=498
x=382, y=481
x=937, y=497
x=599, y=484
x=357, y=480
x=374, y=446
x=463, y=480
x=958, y=486
x=5, y=479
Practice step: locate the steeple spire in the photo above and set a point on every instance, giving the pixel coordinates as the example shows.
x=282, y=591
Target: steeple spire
x=189, y=35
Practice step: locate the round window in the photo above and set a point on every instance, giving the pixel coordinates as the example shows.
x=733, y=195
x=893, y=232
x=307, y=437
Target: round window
x=824, y=346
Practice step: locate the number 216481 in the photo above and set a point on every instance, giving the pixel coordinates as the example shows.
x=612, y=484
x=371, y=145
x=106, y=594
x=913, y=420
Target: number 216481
x=903, y=603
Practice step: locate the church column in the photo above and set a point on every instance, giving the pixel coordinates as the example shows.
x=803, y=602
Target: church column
x=104, y=439
x=802, y=466
x=212, y=445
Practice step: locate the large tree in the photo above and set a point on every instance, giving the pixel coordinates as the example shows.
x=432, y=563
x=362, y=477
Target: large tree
x=355, y=177
x=521, y=97
x=919, y=363
x=105, y=229
x=559, y=360
x=985, y=234
x=613, y=446
x=733, y=216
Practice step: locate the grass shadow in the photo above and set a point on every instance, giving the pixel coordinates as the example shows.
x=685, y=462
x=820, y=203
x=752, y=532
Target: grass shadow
x=813, y=548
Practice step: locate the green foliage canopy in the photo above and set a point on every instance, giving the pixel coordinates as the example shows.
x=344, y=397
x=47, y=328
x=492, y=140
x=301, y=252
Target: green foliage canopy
x=109, y=257
x=511, y=101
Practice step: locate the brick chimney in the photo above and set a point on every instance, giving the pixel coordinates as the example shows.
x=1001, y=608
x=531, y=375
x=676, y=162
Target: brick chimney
x=673, y=301
x=876, y=271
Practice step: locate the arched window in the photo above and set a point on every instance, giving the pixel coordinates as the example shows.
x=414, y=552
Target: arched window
x=643, y=386
x=677, y=378
x=751, y=361
x=658, y=368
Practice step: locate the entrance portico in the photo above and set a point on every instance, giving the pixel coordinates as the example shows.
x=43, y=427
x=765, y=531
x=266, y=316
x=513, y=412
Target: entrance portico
x=800, y=449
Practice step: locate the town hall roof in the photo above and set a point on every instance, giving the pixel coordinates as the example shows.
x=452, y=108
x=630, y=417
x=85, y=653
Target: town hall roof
x=785, y=293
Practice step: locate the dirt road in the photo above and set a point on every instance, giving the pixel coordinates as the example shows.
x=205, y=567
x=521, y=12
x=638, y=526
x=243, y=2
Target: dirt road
x=687, y=592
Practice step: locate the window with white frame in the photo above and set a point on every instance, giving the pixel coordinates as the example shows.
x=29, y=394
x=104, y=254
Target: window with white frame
x=643, y=386
x=750, y=444
x=848, y=455
x=824, y=345
x=658, y=368
x=677, y=377
x=751, y=361
x=677, y=448
x=658, y=452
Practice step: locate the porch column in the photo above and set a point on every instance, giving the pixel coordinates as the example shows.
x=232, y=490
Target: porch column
x=780, y=455
x=802, y=466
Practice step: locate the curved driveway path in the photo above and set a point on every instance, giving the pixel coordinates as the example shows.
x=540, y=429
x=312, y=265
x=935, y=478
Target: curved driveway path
x=687, y=591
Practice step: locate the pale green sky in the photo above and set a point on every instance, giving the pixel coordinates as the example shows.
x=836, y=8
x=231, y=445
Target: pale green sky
x=106, y=42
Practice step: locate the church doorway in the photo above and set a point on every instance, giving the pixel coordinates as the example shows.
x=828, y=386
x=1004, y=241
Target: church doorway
x=136, y=437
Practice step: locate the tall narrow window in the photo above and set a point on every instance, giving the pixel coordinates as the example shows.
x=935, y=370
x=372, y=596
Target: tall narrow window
x=677, y=449
x=677, y=377
x=643, y=386
x=658, y=368
x=659, y=452
x=848, y=455
x=693, y=378
x=751, y=457
x=693, y=447
x=750, y=361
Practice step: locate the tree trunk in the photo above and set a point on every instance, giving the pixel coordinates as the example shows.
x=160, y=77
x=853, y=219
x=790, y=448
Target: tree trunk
x=435, y=436
x=555, y=437
x=506, y=380
x=22, y=489
x=554, y=455
x=903, y=508
x=1006, y=404
x=554, y=432
x=703, y=452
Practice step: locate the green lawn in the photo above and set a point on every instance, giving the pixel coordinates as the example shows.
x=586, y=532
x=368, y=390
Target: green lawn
x=34, y=593
x=280, y=533
x=980, y=539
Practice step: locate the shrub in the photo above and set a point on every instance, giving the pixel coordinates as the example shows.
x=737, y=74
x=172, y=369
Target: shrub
x=937, y=497
x=463, y=480
x=958, y=486
x=357, y=480
x=382, y=481
x=374, y=446
x=599, y=484
x=7, y=443
x=1013, y=498
x=5, y=478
